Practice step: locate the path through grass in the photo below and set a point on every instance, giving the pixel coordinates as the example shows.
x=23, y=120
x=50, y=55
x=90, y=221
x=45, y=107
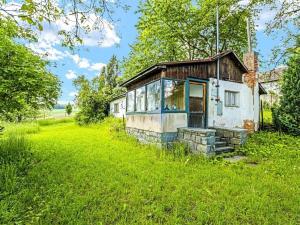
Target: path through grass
x=93, y=175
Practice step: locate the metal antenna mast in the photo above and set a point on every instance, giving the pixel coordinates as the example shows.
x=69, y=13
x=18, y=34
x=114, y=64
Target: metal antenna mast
x=218, y=60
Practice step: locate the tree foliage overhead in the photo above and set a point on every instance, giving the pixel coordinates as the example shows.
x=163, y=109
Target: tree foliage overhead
x=78, y=17
x=186, y=29
x=94, y=96
x=25, y=83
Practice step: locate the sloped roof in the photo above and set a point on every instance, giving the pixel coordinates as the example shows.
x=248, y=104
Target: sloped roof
x=272, y=75
x=163, y=65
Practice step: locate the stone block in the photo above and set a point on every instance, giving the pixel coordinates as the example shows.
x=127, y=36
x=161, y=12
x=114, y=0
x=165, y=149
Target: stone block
x=180, y=135
x=228, y=134
x=187, y=136
x=193, y=137
x=235, y=141
x=203, y=148
x=198, y=139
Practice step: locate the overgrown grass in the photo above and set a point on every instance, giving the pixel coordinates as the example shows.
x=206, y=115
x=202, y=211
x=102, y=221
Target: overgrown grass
x=267, y=117
x=99, y=175
x=47, y=122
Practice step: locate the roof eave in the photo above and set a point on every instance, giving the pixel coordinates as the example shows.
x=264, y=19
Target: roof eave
x=143, y=73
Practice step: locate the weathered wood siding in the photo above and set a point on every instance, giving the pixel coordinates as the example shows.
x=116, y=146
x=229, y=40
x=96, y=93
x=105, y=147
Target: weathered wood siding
x=229, y=70
x=198, y=70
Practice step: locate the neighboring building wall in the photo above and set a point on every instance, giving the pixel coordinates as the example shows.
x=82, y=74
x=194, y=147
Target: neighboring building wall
x=120, y=111
x=233, y=117
x=273, y=89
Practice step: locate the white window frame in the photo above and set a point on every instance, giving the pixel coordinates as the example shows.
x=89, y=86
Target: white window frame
x=232, y=98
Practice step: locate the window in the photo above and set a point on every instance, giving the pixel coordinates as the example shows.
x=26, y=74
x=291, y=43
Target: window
x=153, y=96
x=231, y=99
x=130, y=101
x=140, y=99
x=116, y=108
x=174, y=95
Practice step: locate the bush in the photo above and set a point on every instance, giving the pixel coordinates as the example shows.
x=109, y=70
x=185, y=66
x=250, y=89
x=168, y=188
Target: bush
x=286, y=117
x=285, y=122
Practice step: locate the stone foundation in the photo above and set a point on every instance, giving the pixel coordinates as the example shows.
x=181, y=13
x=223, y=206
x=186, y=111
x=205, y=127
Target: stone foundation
x=234, y=137
x=146, y=136
x=198, y=140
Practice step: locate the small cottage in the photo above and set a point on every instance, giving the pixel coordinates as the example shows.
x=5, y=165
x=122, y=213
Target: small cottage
x=118, y=106
x=185, y=100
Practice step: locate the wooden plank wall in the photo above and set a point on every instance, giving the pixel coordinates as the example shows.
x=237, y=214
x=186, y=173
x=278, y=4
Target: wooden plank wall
x=229, y=70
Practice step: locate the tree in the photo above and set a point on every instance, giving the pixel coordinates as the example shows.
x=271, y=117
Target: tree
x=287, y=115
x=94, y=96
x=186, y=29
x=26, y=85
x=77, y=17
x=69, y=109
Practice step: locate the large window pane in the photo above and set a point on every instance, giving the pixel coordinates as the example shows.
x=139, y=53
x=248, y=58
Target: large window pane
x=140, y=99
x=174, y=95
x=130, y=101
x=153, y=96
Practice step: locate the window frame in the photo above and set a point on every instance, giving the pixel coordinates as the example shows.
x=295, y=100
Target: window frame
x=144, y=112
x=118, y=107
x=237, y=99
x=134, y=109
x=160, y=91
x=163, y=96
x=145, y=99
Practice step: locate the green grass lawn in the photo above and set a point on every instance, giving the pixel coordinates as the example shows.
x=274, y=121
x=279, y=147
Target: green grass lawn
x=95, y=175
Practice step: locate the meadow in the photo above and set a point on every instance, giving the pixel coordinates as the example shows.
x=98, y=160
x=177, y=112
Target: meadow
x=56, y=172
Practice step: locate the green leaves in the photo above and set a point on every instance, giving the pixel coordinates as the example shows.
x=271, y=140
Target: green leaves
x=25, y=83
x=184, y=29
x=94, y=96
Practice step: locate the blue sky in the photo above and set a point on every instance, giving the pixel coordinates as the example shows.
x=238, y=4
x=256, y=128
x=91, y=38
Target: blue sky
x=88, y=60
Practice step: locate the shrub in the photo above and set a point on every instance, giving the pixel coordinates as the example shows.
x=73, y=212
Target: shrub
x=287, y=115
x=285, y=122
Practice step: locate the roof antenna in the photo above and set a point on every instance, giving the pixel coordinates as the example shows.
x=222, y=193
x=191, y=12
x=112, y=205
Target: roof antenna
x=218, y=59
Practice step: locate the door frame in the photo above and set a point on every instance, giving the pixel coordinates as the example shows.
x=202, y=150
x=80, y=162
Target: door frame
x=187, y=99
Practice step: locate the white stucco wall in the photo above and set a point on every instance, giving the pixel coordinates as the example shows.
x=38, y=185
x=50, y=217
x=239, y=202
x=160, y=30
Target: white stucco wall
x=149, y=122
x=172, y=121
x=122, y=107
x=233, y=116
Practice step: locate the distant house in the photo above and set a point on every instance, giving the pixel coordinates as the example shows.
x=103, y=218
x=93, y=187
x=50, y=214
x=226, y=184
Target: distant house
x=270, y=81
x=185, y=101
x=118, y=106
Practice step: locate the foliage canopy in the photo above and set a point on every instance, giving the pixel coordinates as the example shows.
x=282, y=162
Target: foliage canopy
x=25, y=83
x=94, y=96
x=287, y=115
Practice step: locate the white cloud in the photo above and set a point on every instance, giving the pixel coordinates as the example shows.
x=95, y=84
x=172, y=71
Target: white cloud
x=72, y=94
x=70, y=75
x=265, y=16
x=84, y=63
x=97, y=66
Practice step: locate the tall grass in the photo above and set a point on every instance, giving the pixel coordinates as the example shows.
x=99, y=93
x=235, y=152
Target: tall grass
x=15, y=160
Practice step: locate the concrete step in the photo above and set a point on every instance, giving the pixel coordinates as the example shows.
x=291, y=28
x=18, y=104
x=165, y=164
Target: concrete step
x=220, y=144
x=225, y=149
x=217, y=138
